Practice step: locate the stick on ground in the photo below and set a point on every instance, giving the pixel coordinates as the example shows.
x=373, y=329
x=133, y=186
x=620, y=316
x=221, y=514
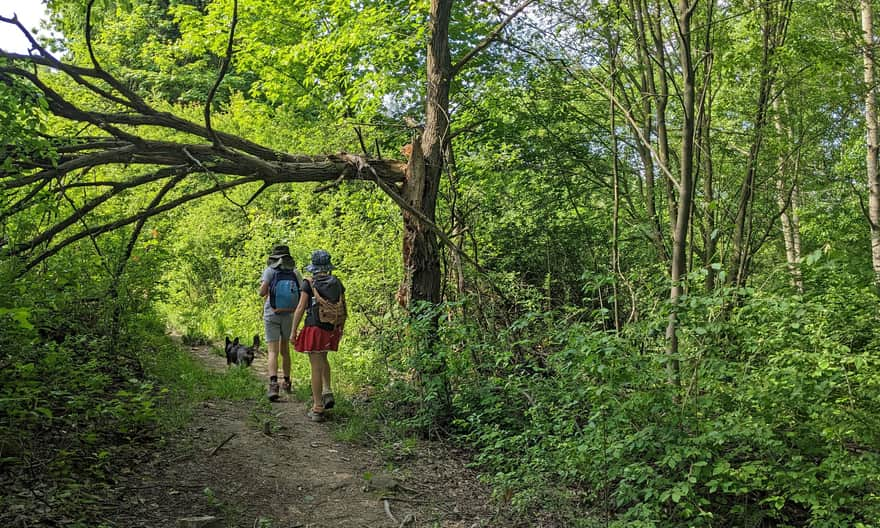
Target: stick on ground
x=223, y=443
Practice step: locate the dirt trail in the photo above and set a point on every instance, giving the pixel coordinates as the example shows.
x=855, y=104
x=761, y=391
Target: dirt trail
x=225, y=468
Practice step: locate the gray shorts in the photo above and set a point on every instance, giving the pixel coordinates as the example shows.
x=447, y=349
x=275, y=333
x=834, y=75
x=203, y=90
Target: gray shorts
x=278, y=327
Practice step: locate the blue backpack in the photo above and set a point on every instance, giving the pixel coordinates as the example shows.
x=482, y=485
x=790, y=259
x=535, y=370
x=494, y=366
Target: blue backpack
x=284, y=291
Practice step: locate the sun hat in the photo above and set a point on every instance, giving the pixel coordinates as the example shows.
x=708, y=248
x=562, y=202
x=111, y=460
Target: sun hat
x=279, y=250
x=320, y=262
x=280, y=256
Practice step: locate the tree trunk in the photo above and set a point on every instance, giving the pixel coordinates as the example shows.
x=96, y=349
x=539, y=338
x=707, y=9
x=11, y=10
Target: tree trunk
x=742, y=224
x=420, y=289
x=421, y=256
x=661, y=101
x=872, y=137
x=678, y=269
x=648, y=91
x=774, y=28
x=459, y=228
x=786, y=198
x=710, y=235
x=704, y=148
x=615, y=182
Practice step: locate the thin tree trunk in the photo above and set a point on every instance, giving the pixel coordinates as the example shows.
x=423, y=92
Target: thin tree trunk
x=648, y=92
x=785, y=197
x=661, y=101
x=773, y=32
x=794, y=204
x=873, y=141
x=742, y=224
x=709, y=229
x=458, y=225
x=615, y=184
x=710, y=234
x=685, y=190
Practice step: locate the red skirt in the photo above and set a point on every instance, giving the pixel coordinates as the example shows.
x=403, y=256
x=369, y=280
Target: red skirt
x=316, y=339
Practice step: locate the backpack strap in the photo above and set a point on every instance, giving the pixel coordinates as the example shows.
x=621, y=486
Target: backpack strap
x=318, y=296
x=296, y=276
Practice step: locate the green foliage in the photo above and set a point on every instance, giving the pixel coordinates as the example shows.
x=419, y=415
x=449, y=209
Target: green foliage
x=22, y=118
x=147, y=44
x=87, y=381
x=775, y=423
x=72, y=399
x=776, y=419
x=191, y=382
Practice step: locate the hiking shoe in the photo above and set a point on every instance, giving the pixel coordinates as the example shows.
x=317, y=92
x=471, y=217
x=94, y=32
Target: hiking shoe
x=273, y=391
x=328, y=400
x=315, y=416
x=287, y=387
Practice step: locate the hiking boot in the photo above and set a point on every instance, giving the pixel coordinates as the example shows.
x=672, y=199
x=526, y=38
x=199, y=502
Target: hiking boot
x=273, y=391
x=328, y=400
x=287, y=387
x=315, y=416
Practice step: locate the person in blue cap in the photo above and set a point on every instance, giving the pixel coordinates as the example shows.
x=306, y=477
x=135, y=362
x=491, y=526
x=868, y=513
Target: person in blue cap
x=323, y=304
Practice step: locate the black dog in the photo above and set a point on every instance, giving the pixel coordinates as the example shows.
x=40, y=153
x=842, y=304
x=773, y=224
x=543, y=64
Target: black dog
x=240, y=354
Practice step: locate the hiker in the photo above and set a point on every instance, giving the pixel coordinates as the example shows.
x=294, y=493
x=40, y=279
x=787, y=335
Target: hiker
x=323, y=303
x=280, y=284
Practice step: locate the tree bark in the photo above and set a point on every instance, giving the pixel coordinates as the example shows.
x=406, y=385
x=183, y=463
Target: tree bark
x=704, y=148
x=421, y=258
x=615, y=182
x=420, y=290
x=774, y=28
x=661, y=100
x=710, y=234
x=678, y=269
x=873, y=142
x=786, y=198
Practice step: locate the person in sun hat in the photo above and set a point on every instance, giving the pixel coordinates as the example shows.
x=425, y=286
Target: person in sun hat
x=323, y=304
x=277, y=322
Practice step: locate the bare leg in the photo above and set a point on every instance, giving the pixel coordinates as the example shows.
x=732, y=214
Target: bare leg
x=284, y=346
x=317, y=360
x=325, y=374
x=273, y=347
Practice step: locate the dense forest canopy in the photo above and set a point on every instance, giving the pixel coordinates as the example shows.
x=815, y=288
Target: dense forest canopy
x=628, y=252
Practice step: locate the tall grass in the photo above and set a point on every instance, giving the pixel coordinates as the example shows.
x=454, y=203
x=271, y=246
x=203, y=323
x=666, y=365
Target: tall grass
x=186, y=382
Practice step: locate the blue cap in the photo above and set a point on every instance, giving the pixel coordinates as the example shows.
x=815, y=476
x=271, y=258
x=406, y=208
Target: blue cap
x=320, y=261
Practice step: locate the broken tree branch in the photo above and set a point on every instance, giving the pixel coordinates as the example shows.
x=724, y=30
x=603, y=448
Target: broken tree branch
x=363, y=165
x=490, y=38
x=223, y=69
x=390, y=515
x=129, y=127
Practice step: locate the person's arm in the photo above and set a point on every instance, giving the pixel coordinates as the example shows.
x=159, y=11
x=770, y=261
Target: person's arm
x=298, y=313
x=264, y=283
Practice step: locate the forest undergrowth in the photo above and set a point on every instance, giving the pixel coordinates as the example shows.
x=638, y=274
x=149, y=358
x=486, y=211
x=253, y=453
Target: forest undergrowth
x=129, y=438
x=775, y=422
